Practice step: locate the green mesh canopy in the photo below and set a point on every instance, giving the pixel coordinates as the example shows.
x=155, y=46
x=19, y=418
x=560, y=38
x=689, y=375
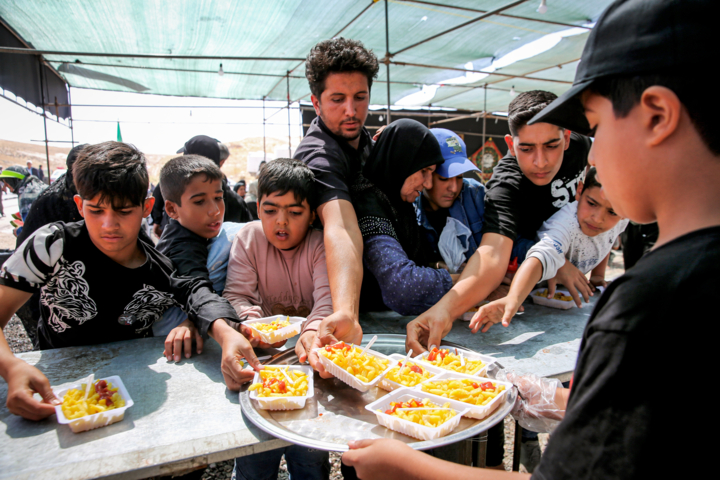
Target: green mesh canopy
x=280, y=33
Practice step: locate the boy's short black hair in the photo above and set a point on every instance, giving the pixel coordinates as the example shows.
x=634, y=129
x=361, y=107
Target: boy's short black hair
x=591, y=180
x=625, y=92
x=115, y=170
x=283, y=175
x=525, y=106
x=178, y=172
x=338, y=55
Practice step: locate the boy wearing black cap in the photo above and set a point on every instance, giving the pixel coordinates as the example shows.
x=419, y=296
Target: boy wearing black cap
x=658, y=158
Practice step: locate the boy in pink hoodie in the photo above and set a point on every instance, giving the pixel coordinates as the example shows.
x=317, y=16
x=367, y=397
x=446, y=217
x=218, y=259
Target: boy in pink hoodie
x=277, y=266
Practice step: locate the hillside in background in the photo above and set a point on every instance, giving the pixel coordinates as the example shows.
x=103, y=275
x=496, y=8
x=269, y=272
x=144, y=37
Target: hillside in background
x=16, y=153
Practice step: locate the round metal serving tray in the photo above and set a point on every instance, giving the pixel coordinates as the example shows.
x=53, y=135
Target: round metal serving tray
x=336, y=413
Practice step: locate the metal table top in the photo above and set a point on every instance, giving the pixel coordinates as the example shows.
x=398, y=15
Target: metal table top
x=184, y=416
x=543, y=340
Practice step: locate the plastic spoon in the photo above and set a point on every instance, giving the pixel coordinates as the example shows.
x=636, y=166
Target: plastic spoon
x=370, y=344
x=88, y=382
x=462, y=359
x=407, y=359
x=284, y=372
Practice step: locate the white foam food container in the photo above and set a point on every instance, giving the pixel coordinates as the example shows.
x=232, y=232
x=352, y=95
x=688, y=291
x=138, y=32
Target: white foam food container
x=346, y=377
x=467, y=355
x=280, y=334
x=389, y=385
x=409, y=428
x=95, y=420
x=284, y=403
x=475, y=411
x=552, y=302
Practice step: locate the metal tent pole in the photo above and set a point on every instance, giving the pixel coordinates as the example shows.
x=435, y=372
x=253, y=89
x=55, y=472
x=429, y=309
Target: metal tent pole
x=72, y=130
x=264, y=146
x=464, y=70
x=484, y=118
x=288, y=107
x=475, y=10
x=469, y=22
x=31, y=51
x=44, y=115
x=387, y=62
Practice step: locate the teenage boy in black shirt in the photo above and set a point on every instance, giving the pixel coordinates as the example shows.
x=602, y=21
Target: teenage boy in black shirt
x=537, y=177
x=340, y=73
x=658, y=156
x=132, y=283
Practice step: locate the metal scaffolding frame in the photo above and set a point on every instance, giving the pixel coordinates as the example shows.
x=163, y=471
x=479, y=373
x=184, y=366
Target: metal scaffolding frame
x=506, y=15
x=387, y=60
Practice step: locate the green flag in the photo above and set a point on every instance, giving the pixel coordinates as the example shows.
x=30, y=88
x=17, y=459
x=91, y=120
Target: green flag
x=119, y=135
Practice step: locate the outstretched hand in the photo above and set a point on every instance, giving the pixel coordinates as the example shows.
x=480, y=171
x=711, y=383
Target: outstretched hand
x=24, y=381
x=574, y=280
x=499, y=311
x=181, y=338
x=427, y=330
x=379, y=458
x=334, y=328
x=235, y=348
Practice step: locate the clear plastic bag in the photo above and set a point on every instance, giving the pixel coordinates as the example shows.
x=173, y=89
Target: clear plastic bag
x=535, y=408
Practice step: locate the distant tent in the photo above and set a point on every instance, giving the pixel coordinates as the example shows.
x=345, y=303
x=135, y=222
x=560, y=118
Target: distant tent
x=119, y=135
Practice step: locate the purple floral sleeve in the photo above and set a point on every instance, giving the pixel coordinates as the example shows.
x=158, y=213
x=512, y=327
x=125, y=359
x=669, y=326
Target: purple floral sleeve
x=407, y=288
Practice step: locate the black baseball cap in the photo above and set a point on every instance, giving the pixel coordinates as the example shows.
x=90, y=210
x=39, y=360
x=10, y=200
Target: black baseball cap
x=202, y=145
x=637, y=37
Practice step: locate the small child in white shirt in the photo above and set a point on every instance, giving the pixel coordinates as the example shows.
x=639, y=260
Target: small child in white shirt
x=582, y=232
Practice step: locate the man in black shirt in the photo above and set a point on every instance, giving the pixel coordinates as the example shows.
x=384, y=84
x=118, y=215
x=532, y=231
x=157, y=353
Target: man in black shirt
x=537, y=177
x=340, y=73
x=658, y=155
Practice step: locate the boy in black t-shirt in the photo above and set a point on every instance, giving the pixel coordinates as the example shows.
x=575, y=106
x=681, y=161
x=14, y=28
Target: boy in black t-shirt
x=658, y=156
x=132, y=283
x=537, y=177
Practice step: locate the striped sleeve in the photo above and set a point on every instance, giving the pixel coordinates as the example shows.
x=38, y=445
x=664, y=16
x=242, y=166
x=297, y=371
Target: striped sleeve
x=32, y=264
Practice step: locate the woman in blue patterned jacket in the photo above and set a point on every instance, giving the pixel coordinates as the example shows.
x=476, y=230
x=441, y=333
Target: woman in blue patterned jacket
x=395, y=251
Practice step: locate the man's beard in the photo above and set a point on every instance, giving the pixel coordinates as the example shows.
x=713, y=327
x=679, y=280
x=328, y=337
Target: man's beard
x=349, y=138
x=344, y=136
